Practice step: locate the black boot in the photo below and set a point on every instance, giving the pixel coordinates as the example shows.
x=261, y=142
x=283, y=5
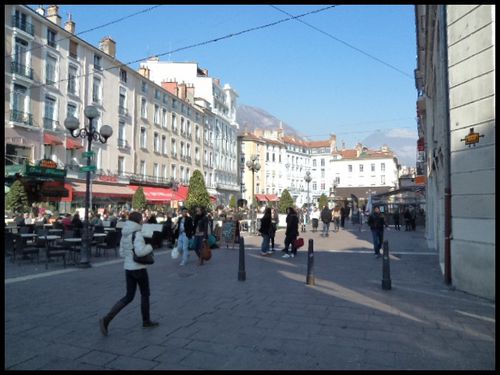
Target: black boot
x=146, y=321
x=104, y=322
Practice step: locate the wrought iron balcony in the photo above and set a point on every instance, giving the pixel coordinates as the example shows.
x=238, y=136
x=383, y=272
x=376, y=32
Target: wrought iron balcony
x=17, y=22
x=122, y=111
x=122, y=143
x=21, y=117
x=16, y=68
x=174, y=130
x=49, y=123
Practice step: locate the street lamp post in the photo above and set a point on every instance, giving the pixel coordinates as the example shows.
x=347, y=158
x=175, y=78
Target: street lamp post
x=91, y=134
x=254, y=165
x=308, y=178
x=242, y=169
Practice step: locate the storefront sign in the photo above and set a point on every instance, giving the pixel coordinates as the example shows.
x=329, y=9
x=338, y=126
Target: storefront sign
x=108, y=178
x=32, y=170
x=47, y=163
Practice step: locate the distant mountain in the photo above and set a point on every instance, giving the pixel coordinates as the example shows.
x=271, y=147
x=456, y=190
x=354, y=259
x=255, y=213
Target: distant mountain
x=250, y=118
x=402, y=141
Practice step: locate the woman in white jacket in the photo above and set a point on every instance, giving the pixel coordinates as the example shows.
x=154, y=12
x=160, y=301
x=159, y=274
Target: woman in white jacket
x=135, y=273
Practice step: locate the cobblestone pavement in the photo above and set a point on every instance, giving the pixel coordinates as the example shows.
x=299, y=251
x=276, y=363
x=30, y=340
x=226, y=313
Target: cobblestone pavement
x=273, y=320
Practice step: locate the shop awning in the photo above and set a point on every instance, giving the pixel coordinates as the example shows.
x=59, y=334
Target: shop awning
x=50, y=139
x=272, y=197
x=72, y=144
x=103, y=190
x=261, y=197
x=157, y=194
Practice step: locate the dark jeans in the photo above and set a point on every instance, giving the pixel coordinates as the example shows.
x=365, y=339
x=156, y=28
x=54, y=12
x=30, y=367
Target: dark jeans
x=289, y=240
x=198, y=241
x=134, y=278
x=273, y=233
x=378, y=239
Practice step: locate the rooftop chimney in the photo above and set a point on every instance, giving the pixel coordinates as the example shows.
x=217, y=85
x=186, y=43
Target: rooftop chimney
x=53, y=15
x=190, y=93
x=108, y=45
x=182, y=91
x=69, y=25
x=144, y=71
x=333, y=143
x=171, y=87
x=40, y=11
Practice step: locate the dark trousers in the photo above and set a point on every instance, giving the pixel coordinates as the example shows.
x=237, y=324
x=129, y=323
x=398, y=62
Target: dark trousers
x=342, y=221
x=273, y=233
x=133, y=278
x=198, y=241
x=378, y=238
x=289, y=240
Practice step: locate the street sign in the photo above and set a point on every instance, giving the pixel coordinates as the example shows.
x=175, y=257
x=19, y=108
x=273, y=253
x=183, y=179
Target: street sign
x=88, y=153
x=88, y=168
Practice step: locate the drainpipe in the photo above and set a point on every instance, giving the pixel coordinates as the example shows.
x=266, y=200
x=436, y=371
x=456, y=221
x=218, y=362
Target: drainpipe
x=447, y=157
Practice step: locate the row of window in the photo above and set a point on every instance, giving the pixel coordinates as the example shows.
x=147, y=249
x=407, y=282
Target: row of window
x=361, y=167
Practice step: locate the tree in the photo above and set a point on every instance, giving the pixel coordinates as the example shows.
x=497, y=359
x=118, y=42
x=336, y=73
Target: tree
x=286, y=201
x=197, y=193
x=232, y=202
x=139, y=199
x=323, y=201
x=17, y=199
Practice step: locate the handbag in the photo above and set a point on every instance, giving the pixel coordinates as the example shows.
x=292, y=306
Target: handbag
x=205, y=253
x=212, y=240
x=175, y=253
x=299, y=242
x=146, y=259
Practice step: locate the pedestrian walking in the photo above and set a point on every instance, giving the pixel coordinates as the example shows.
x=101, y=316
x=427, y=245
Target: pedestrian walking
x=274, y=225
x=77, y=224
x=135, y=273
x=407, y=217
x=343, y=214
x=377, y=223
x=336, y=218
x=265, y=231
x=183, y=233
x=326, y=218
x=315, y=219
x=292, y=232
x=200, y=231
x=395, y=217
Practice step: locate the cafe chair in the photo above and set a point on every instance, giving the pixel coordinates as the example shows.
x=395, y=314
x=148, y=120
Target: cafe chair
x=111, y=242
x=22, y=250
x=51, y=252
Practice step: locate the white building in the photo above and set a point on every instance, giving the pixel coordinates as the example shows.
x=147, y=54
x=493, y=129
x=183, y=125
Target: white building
x=222, y=102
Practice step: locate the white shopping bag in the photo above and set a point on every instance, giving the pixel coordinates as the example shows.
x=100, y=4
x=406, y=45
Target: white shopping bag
x=175, y=253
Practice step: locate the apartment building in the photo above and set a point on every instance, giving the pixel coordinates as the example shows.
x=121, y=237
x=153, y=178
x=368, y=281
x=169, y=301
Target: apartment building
x=221, y=102
x=455, y=80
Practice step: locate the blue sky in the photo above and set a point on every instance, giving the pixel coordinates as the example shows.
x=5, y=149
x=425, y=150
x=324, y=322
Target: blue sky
x=315, y=84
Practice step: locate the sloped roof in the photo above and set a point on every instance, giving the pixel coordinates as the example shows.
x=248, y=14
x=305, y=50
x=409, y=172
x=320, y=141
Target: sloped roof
x=314, y=144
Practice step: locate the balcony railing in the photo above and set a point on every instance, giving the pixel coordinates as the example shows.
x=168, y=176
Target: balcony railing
x=21, y=117
x=49, y=123
x=122, y=111
x=24, y=26
x=16, y=68
x=122, y=143
x=174, y=130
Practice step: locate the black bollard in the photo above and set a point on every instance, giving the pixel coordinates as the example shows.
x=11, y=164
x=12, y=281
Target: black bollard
x=310, y=263
x=386, y=269
x=241, y=268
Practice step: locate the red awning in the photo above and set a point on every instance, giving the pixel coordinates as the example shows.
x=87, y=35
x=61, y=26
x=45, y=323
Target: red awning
x=157, y=194
x=261, y=197
x=182, y=192
x=272, y=197
x=50, y=139
x=213, y=199
x=103, y=190
x=72, y=144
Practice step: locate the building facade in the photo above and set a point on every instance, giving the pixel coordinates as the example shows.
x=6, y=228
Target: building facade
x=455, y=77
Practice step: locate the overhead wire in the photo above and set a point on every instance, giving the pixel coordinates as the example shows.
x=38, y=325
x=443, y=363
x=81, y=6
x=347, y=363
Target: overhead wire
x=345, y=43
x=197, y=44
x=92, y=29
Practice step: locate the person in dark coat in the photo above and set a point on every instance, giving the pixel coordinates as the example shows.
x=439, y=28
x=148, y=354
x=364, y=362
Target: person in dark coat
x=265, y=230
x=377, y=223
x=407, y=217
x=326, y=218
x=292, y=232
x=77, y=224
x=201, y=231
x=395, y=217
x=343, y=214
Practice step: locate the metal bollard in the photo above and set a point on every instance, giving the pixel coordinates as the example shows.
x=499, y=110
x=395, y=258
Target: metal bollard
x=310, y=263
x=386, y=269
x=241, y=268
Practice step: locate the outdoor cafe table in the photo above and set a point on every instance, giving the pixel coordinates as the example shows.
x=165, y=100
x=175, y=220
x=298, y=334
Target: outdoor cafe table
x=55, y=230
x=28, y=235
x=109, y=229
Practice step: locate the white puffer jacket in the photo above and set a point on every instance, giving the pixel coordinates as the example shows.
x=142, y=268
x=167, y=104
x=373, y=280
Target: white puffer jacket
x=140, y=248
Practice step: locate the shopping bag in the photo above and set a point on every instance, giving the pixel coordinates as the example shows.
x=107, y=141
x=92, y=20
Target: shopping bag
x=175, y=253
x=206, y=253
x=299, y=242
